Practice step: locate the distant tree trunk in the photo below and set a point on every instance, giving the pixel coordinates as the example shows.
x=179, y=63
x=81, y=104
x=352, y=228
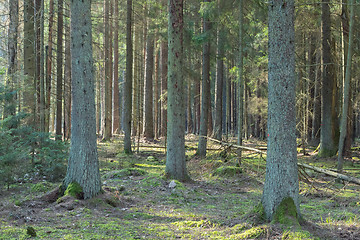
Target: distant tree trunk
x=175, y=157
x=241, y=79
x=164, y=72
x=108, y=74
x=327, y=144
x=29, y=93
x=83, y=165
x=116, y=101
x=316, y=120
x=136, y=80
x=10, y=108
x=344, y=116
x=205, y=90
x=156, y=95
x=281, y=181
x=128, y=80
x=189, y=113
x=219, y=84
x=38, y=47
x=59, y=71
x=148, y=125
x=67, y=80
x=49, y=67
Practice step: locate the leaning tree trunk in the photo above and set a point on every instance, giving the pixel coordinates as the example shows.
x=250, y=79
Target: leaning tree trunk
x=83, y=165
x=128, y=80
x=175, y=157
x=281, y=187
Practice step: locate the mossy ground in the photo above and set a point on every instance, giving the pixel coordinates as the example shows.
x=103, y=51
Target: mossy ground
x=137, y=202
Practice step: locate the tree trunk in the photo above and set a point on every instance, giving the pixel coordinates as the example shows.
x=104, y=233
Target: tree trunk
x=241, y=78
x=164, y=72
x=10, y=108
x=327, y=144
x=116, y=101
x=67, y=81
x=148, y=124
x=281, y=182
x=175, y=157
x=219, y=83
x=128, y=80
x=344, y=116
x=205, y=90
x=108, y=74
x=49, y=66
x=156, y=94
x=29, y=93
x=59, y=72
x=83, y=165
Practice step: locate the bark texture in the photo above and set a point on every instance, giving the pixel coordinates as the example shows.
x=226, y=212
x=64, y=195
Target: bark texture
x=175, y=157
x=281, y=180
x=83, y=165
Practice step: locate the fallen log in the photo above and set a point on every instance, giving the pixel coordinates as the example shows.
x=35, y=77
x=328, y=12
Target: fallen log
x=317, y=169
x=331, y=173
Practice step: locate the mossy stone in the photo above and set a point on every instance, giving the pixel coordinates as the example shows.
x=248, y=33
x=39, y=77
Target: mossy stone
x=75, y=190
x=286, y=212
x=229, y=171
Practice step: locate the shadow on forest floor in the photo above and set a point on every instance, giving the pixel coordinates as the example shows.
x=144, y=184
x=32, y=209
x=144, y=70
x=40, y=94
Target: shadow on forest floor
x=139, y=204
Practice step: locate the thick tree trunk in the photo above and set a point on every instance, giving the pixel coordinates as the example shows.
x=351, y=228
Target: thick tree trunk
x=128, y=80
x=83, y=165
x=175, y=157
x=327, y=144
x=281, y=182
x=59, y=71
x=29, y=93
x=205, y=90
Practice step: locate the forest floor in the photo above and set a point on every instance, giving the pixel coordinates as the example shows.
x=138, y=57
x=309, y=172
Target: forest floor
x=138, y=202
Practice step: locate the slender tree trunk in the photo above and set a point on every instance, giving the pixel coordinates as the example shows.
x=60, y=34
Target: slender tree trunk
x=241, y=79
x=83, y=165
x=205, y=90
x=219, y=84
x=148, y=124
x=38, y=42
x=281, y=182
x=128, y=80
x=327, y=144
x=164, y=72
x=29, y=93
x=156, y=95
x=175, y=157
x=10, y=108
x=67, y=80
x=315, y=133
x=108, y=74
x=136, y=81
x=59, y=71
x=344, y=116
x=116, y=102
x=49, y=66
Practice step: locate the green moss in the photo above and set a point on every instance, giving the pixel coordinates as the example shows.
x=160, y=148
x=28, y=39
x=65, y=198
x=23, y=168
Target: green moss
x=252, y=233
x=31, y=231
x=125, y=173
x=286, y=212
x=323, y=153
x=297, y=235
x=228, y=171
x=74, y=189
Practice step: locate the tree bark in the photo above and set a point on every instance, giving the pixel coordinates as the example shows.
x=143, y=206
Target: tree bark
x=164, y=72
x=59, y=71
x=116, y=101
x=241, y=78
x=281, y=181
x=128, y=80
x=175, y=157
x=83, y=165
x=148, y=125
x=205, y=89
